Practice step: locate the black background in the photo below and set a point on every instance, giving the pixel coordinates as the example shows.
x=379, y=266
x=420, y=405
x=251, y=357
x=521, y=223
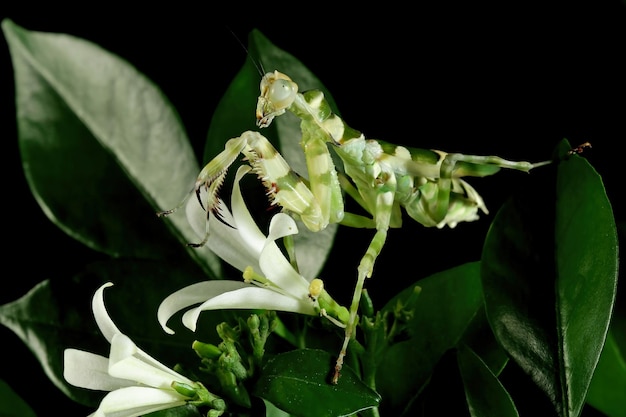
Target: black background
x=509, y=78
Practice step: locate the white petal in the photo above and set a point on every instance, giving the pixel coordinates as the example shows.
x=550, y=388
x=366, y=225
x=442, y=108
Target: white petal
x=282, y=225
x=191, y=295
x=91, y=371
x=250, y=298
x=246, y=226
x=225, y=241
x=137, y=401
x=106, y=325
x=128, y=362
x=275, y=265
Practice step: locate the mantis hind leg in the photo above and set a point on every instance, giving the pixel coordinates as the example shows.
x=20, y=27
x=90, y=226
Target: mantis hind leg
x=364, y=271
x=458, y=165
x=384, y=210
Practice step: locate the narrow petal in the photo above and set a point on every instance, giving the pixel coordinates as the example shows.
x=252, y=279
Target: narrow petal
x=225, y=241
x=91, y=371
x=126, y=361
x=106, y=325
x=191, y=295
x=250, y=297
x=137, y=401
x=249, y=231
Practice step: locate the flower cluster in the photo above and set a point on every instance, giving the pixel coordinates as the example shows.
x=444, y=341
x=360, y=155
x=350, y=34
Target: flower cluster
x=138, y=383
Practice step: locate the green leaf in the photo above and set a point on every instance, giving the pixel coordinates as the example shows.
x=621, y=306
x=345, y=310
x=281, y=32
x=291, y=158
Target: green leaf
x=56, y=315
x=11, y=404
x=298, y=383
x=235, y=114
x=480, y=338
x=608, y=386
x=102, y=148
x=443, y=312
x=485, y=395
x=549, y=274
x=272, y=411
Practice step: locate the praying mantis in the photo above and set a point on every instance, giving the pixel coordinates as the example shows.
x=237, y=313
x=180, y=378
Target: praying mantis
x=383, y=178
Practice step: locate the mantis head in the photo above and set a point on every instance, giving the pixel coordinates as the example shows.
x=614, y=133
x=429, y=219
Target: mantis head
x=278, y=91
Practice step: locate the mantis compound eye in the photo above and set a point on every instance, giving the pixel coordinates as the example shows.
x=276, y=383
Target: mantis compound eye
x=282, y=93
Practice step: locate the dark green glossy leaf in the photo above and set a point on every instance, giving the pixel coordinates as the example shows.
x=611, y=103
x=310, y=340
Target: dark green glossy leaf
x=447, y=304
x=102, y=148
x=486, y=396
x=549, y=273
x=608, y=385
x=236, y=114
x=56, y=315
x=272, y=411
x=480, y=338
x=298, y=382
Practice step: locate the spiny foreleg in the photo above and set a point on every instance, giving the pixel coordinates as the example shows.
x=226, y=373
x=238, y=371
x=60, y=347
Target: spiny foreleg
x=284, y=187
x=210, y=178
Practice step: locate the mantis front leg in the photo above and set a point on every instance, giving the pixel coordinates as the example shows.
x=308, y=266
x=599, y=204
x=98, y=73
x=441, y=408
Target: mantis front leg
x=284, y=187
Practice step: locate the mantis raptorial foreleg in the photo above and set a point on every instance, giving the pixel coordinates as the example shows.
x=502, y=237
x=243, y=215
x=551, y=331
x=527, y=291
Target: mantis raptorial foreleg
x=284, y=187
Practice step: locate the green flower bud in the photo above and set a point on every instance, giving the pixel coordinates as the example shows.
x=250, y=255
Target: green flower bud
x=206, y=350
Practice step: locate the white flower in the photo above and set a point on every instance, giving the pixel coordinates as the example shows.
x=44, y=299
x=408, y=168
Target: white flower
x=271, y=282
x=139, y=384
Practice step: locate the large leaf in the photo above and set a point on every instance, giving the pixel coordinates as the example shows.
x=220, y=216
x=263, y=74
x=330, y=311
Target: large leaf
x=298, y=382
x=102, y=148
x=236, y=114
x=549, y=274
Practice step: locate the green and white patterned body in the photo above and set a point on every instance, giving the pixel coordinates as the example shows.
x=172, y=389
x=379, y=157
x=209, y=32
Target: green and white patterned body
x=381, y=177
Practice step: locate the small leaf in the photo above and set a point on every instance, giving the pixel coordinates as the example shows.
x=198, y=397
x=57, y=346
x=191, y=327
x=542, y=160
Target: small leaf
x=272, y=411
x=480, y=338
x=298, y=383
x=607, y=391
x=549, y=274
x=485, y=395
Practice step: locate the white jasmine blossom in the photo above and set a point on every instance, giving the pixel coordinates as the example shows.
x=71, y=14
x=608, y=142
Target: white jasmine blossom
x=270, y=281
x=138, y=383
